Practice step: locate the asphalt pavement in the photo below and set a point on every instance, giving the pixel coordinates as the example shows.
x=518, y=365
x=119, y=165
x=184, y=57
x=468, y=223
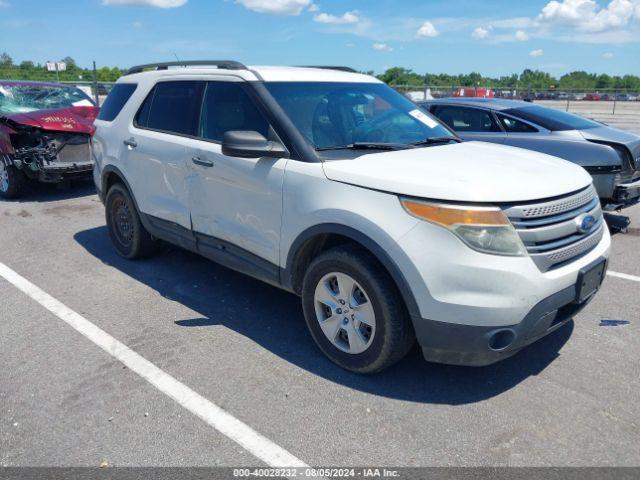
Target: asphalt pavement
x=568, y=400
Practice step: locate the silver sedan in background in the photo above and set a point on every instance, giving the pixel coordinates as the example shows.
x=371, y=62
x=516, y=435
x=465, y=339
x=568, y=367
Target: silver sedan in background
x=611, y=156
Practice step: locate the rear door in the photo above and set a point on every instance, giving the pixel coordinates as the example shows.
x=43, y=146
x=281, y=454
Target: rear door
x=470, y=123
x=156, y=151
x=235, y=202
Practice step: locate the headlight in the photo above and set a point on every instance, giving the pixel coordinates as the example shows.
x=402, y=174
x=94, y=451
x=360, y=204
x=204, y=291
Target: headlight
x=486, y=229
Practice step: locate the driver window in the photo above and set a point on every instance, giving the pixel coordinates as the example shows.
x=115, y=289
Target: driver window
x=464, y=119
x=227, y=107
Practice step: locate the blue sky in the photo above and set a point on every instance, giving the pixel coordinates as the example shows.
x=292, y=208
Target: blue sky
x=494, y=37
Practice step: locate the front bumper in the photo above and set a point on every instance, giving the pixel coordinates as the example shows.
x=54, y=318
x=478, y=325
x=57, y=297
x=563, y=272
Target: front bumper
x=627, y=193
x=477, y=346
x=463, y=296
x=58, y=171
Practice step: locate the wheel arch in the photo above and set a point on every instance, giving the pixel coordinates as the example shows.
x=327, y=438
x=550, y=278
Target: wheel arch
x=319, y=238
x=112, y=175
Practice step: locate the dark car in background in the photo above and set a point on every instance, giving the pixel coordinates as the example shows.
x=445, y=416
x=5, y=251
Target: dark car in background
x=45, y=132
x=611, y=156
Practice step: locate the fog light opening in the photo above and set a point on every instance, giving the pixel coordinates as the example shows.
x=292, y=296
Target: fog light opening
x=501, y=339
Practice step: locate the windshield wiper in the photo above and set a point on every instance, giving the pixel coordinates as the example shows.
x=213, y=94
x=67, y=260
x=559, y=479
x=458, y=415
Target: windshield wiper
x=436, y=140
x=368, y=146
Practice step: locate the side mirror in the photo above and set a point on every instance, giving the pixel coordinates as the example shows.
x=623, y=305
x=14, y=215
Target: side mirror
x=249, y=144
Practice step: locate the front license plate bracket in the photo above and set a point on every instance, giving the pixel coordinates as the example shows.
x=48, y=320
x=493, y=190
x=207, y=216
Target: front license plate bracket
x=589, y=280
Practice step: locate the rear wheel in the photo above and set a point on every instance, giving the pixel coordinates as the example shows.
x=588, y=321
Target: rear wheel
x=11, y=181
x=130, y=239
x=354, y=311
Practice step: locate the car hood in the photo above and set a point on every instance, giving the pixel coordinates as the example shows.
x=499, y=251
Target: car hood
x=610, y=134
x=72, y=119
x=468, y=171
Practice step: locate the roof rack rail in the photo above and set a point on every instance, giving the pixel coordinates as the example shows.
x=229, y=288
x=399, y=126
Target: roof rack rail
x=334, y=67
x=222, y=64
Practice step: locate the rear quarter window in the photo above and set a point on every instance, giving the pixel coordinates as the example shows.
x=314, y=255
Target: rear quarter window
x=116, y=100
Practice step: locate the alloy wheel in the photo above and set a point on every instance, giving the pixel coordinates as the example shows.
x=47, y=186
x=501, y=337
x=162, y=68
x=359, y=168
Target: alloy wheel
x=344, y=312
x=4, y=177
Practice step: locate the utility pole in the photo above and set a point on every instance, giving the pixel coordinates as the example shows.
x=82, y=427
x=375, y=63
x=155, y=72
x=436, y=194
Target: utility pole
x=95, y=84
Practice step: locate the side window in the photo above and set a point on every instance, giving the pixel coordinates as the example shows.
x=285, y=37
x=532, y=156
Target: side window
x=512, y=125
x=119, y=95
x=172, y=107
x=228, y=107
x=142, y=117
x=465, y=119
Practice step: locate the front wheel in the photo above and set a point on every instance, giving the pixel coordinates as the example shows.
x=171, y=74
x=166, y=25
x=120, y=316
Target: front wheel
x=354, y=311
x=130, y=239
x=11, y=181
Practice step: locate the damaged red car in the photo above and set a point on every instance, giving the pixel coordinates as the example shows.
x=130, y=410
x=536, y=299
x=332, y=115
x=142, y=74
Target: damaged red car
x=45, y=134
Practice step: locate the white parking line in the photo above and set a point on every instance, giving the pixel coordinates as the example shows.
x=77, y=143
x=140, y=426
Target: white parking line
x=224, y=422
x=626, y=276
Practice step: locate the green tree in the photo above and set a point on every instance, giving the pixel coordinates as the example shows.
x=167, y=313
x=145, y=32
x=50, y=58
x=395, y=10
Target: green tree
x=5, y=59
x=401, y=76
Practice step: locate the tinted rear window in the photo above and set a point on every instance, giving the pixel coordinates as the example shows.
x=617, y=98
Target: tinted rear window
x=174, y=108
x=120, y=93
x=552, y=119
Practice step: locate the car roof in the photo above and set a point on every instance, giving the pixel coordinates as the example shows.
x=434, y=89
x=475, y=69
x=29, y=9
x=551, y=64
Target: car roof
x=492, y=103
x=261, y=72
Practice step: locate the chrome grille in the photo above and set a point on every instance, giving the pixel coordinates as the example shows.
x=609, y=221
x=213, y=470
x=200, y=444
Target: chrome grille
x=551, y=232
x=556, y=206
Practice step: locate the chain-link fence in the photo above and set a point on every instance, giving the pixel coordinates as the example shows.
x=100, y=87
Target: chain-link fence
x=611, y=100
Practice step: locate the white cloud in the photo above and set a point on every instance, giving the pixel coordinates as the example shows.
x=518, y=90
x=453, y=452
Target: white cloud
x=348, y=17
x=536, y=53
x=427, y=30
x=313, y=8
x=481, y=33
x=4, y=3
x=147, y=3
x=607, y=55
x=522, y=36
x=588, y=16
x=277, y=7
x=382, y=47
x=136, y=24
x=349, y=45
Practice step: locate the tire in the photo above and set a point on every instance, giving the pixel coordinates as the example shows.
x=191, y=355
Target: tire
x=12, y=181
x=357, y=345
x=129, y=237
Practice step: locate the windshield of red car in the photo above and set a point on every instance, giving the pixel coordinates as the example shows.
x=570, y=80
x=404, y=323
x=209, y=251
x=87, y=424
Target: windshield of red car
x=19, y=98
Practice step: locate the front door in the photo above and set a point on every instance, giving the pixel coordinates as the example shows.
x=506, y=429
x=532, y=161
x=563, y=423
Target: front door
x=234, y=200
x=470, y=123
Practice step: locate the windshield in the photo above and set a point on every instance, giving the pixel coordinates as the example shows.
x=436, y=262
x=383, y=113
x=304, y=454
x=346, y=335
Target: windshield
x=19, y=98
x=333, y=114
x=552, y=119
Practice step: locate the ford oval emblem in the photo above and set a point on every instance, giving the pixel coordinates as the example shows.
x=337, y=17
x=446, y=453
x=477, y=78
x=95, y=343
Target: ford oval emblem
x=585, y=222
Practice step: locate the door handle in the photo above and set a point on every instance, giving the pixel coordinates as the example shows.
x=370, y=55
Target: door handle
x=131, y=143
x=203, y=162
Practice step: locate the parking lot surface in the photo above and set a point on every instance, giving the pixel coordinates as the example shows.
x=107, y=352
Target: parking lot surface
x=624, y=115
x=570, y=399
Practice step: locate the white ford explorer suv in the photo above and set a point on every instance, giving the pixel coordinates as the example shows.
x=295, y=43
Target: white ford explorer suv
x=333, y=186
